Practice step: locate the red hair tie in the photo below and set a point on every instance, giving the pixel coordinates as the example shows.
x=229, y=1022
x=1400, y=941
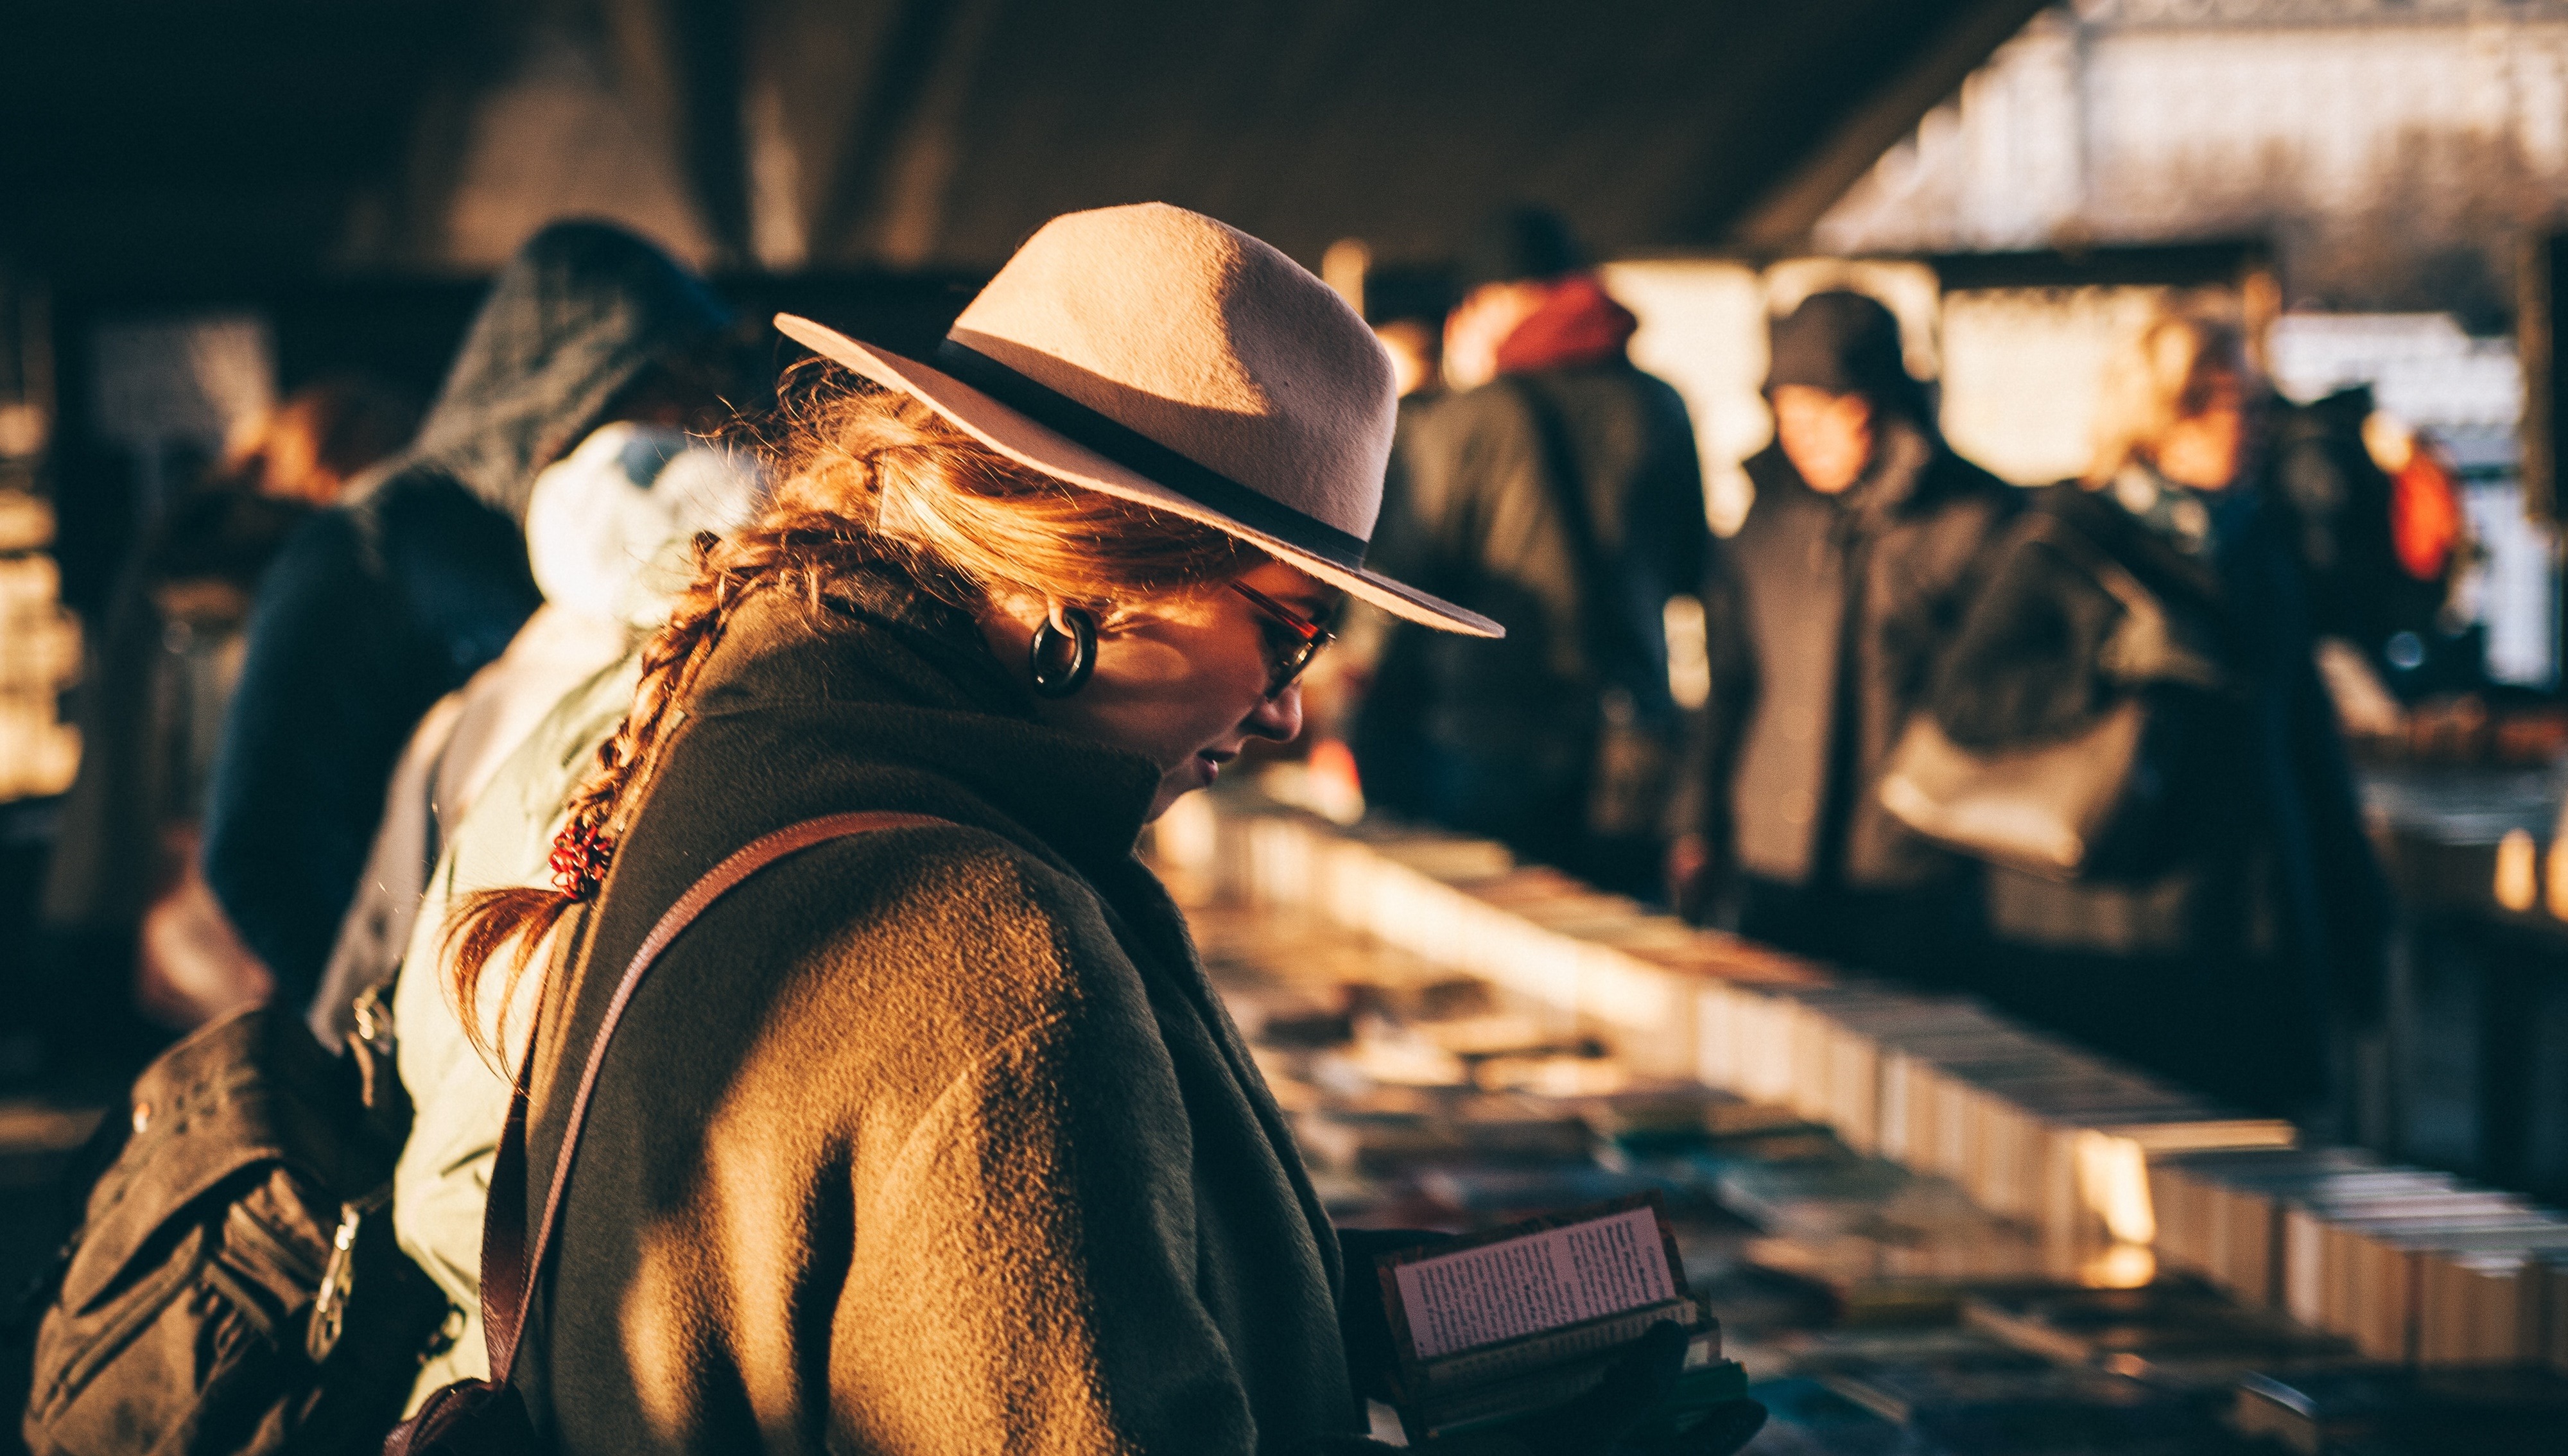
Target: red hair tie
x=581, y=853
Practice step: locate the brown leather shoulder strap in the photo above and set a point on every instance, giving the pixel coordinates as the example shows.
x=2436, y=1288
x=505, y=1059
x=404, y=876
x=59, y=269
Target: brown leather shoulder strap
x=507, y=1268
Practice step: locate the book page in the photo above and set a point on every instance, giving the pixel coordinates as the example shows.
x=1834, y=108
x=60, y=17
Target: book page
x=1543, y=1280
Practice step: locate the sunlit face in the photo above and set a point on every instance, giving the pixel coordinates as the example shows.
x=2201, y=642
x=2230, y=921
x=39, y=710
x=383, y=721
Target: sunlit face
x=1478, y=326
x=293, y=469
x=1185, y=681
x=2207, y=449
x=1412, y=346
x=1827, y=438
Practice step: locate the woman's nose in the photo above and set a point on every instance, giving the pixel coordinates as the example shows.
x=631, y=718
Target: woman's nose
x=1278, y=718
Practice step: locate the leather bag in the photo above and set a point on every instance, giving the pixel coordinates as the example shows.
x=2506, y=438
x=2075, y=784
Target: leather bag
x=2047, y=808
x=235, y=1286
x=488, y=1417
x=1631, y=772
x=2039, y=808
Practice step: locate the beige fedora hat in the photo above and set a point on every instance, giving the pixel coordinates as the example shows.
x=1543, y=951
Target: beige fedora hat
x=1161, y=357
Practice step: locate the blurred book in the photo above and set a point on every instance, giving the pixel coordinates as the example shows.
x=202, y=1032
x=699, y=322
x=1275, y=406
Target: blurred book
x=2484, y=1411
x=1943, y=1346
x=2129, y=1330
x=1479, y=1191
x=1870, y=1282
x=1811, y=1195
x=1995, y=1413
x=1803, y=1417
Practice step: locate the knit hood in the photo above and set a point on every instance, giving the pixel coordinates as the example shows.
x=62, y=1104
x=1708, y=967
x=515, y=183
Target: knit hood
x=610, y=526
x=576, y=315
x=1578, y=325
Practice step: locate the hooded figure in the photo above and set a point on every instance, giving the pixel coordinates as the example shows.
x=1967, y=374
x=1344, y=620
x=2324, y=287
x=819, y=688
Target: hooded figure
x=382, y=604
x=1832, y=604
x=1557, y=492
x=479, y=795
x=608, y=532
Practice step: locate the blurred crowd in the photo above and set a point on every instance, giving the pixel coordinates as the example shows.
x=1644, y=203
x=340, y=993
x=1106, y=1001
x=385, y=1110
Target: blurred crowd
x=2070, y=749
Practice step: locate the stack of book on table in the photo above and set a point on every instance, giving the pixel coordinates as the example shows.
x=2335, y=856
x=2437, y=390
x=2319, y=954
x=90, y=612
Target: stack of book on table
x=1463, y=1039
x=2410, y=1265
x=2031, y=1128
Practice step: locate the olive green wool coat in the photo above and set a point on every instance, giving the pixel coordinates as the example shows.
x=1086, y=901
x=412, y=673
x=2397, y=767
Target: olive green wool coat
x=925, y=1141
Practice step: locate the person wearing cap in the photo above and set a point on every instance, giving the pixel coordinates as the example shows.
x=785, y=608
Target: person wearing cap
x=1556, y=489
x=1830, y=608
x=935, y=1138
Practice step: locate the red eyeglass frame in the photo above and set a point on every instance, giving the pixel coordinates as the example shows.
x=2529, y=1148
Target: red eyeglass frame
x=1314, y=636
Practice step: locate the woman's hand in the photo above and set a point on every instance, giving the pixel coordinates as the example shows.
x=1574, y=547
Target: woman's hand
x=1631, y=1413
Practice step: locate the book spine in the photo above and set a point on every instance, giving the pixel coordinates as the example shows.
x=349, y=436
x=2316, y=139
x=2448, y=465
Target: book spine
x=1535, y=1352
x=1445, y=1414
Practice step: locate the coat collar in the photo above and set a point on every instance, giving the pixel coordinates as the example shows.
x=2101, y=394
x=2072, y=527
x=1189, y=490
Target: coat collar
x=1899, y=477
x=2148, y=552
x=907, y=681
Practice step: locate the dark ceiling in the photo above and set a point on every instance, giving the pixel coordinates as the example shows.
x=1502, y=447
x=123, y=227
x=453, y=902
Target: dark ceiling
x=154, y=139
x=170, y=136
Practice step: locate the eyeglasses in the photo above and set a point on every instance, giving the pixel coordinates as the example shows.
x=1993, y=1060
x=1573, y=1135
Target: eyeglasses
x=1286, y=659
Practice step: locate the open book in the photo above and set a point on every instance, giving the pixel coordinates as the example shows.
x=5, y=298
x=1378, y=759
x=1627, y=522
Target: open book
x=1514, y=1320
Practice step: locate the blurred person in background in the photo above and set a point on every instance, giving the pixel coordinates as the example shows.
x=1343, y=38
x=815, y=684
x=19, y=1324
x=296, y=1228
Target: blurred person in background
x=1407, y=309
x=396, y=594
x=608, y=529
x=2376, y=544
x=123, y=875
x=1823, y=620
x=2239, y=912
x=478, y=799
x=1557, y=490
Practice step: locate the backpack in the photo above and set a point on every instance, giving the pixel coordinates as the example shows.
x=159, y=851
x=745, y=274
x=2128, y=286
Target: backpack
x=234, y=1289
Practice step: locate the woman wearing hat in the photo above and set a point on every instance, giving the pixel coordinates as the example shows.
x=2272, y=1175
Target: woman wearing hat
x=936, y=1139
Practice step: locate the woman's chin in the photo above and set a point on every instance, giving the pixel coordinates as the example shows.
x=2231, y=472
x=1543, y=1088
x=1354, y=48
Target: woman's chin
x=1196, y=772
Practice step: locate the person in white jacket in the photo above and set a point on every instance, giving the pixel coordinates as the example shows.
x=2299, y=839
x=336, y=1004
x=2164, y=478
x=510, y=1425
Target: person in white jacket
x=608, y=529
x=476, y=797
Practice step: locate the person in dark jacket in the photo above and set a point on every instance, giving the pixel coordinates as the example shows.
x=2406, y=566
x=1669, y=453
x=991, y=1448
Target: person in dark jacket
x=1823, y=620
x=393, y=597
x=935, y=1140
x=2343, y=513
x=128, y=921
x=1558, y=491
x=2238, y=914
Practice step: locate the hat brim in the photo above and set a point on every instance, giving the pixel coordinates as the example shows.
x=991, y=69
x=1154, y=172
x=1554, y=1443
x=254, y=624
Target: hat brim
x=1041, y=448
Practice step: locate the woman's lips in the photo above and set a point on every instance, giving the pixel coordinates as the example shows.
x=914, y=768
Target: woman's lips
x=1211, y=762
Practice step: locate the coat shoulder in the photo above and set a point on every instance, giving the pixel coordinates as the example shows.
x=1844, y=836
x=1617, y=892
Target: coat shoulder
x=936, y=920
x=1959, y=488
x=1465, y=414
